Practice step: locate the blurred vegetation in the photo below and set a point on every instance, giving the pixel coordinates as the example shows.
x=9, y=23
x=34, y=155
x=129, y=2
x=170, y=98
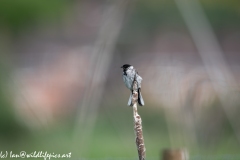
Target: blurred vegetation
x=9, y=125
x=151, y=16
x=17, y=15
x=223, y=14
x=113, y=135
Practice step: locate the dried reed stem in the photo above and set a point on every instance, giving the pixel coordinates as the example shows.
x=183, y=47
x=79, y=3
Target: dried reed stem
x=138, y=124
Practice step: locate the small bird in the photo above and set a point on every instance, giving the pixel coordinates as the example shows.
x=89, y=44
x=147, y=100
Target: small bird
x=128, y=77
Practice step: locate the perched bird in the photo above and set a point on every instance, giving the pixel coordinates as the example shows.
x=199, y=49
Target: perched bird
x=128, y=77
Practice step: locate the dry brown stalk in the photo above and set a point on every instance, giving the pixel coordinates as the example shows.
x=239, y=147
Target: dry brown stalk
x=138, y=124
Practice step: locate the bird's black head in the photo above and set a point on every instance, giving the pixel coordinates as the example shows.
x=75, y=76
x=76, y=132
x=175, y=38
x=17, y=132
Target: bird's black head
x=125, y=66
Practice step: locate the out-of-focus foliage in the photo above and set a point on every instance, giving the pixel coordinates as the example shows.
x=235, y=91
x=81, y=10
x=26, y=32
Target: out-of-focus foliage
x=223, y=13
x=10, y=127
x=146, y=23
x=149, y=16
x=15, y=15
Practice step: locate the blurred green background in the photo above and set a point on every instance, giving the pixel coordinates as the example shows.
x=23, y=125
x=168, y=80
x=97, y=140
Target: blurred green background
x=61, y=88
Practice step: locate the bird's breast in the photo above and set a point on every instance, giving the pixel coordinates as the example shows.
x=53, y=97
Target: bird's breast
x=127, y=81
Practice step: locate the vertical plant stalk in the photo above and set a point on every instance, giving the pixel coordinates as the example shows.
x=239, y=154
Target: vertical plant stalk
x=138, y=124
x=213, y=59
x=101, y=58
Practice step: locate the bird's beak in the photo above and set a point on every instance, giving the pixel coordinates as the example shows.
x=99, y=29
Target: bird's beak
x=122, y=67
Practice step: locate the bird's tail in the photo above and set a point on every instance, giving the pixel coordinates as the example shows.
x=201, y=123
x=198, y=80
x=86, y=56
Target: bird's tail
x=140, y=99
x=130, y=100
